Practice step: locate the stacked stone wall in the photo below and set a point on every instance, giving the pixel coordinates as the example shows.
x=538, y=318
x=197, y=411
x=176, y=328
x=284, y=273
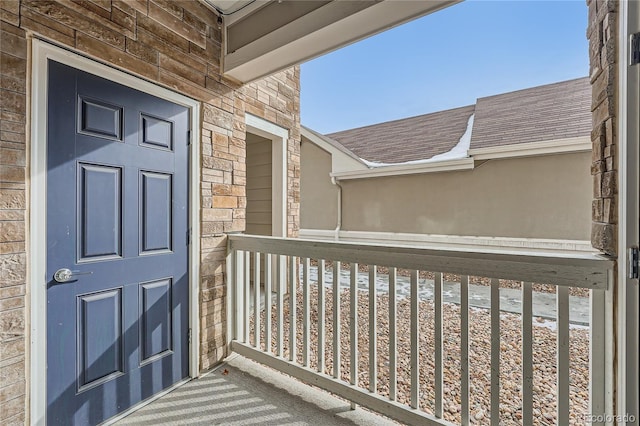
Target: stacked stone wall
x=602, y=33
x=178, y=46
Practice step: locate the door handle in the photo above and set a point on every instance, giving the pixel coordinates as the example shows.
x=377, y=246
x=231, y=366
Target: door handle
x=64, y=275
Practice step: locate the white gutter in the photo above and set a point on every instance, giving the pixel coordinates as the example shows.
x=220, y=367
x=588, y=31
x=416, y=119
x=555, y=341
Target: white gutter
x=556, y=146
x=439, y=166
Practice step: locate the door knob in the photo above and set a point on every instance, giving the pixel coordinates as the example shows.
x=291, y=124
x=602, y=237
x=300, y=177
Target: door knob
x=64, y=275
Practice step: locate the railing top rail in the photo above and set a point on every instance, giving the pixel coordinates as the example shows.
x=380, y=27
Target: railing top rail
x=573, y=270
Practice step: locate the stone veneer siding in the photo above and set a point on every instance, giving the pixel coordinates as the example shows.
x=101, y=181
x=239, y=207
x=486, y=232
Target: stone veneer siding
x=177, y=45
x=602, y=33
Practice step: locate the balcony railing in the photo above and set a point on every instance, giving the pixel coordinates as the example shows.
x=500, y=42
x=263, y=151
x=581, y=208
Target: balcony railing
x=408, y=354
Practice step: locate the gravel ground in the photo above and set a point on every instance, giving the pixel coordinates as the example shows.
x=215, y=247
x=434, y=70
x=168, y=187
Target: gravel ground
x=542, y=288
x=544, y=356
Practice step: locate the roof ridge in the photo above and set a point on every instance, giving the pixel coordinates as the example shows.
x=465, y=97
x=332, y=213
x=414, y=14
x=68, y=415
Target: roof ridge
x=455, y=108
x=399, y=120
x=533, y=88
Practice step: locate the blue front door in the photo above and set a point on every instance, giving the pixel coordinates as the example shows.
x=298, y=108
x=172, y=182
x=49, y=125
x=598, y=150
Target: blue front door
x=117, y=280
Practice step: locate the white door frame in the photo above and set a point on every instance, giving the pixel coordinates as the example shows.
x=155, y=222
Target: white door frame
x=41, y=52
x=278, y=137
x=627, y=370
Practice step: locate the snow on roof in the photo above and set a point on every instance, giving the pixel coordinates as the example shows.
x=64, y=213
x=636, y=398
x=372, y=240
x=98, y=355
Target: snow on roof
x=460, y=150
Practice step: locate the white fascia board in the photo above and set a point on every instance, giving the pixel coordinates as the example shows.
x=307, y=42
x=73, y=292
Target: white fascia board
x=340, y=161
x=407, y=169
x=295, y=43
x=556, y=146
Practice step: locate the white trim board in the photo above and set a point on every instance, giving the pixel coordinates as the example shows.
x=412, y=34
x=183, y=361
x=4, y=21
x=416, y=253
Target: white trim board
x=627, y=367
x=279, y=137
x=557, y=146
x=453, y=241
x=41, y=52
x=408, y=169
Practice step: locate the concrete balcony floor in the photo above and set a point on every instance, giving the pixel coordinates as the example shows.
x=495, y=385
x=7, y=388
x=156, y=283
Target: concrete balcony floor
x=242, y=392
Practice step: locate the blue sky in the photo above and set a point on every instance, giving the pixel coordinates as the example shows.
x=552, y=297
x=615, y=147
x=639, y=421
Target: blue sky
x=446, y=60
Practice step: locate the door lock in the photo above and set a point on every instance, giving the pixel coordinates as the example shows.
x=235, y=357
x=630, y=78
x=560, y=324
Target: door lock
x=65, y=275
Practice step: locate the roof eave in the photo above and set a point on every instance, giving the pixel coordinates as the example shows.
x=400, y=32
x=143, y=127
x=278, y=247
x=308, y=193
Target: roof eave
x=530, y=149
x=326, y=142
x=407, y=169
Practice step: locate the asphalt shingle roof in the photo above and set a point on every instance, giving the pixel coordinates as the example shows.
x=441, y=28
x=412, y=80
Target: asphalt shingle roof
x=554, y=111
x=409, y=139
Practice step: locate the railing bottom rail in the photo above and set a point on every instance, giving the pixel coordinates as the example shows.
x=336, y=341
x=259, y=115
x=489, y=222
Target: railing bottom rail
x=375, y=402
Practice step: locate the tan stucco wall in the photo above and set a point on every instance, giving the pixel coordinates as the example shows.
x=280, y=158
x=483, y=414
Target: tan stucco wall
x=540, y=197
x=318, y=196
x=536, y=197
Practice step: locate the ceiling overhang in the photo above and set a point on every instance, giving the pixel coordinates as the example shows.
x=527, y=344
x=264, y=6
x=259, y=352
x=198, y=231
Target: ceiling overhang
x=263, y=37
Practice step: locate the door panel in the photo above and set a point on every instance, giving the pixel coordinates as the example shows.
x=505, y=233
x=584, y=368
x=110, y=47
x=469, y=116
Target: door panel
x=156, y=133
x=155, y=324
x=100, y=119
x=117, y=332
x=100, y=353
x=156, y=225
x=100, y=215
